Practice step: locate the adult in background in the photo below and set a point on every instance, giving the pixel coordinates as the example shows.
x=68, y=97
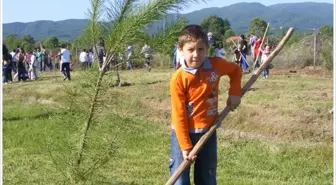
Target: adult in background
x=84, y=59
x=129, y=54
x=257, y=52
x=101, y=52
x=220, y=52
x=33, y=67
x=65, y=62
x=39, y=58
x=14, y=62
x=147, y=52
x=6, y=65
x=242, y=47
x=253, y=39
x=44, y=58
x=22, y=73
x=91, y=59
x=212, y=45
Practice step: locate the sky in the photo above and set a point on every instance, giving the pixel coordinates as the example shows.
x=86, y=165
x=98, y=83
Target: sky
x=33, y=10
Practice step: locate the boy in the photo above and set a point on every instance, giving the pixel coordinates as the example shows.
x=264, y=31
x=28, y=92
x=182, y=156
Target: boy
x=194, y=99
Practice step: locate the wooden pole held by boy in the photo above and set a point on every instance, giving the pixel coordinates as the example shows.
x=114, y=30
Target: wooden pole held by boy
x=226, y=110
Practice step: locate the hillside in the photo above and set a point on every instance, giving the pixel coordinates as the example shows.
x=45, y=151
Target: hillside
x=299, y=15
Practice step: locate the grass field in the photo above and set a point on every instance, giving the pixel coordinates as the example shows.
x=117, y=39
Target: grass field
x=281, y=134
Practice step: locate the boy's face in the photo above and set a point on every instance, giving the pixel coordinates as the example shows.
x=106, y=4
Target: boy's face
x=194, y=53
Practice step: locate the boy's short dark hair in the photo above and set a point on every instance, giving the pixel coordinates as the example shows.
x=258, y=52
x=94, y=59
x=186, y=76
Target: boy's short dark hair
x=192, y=33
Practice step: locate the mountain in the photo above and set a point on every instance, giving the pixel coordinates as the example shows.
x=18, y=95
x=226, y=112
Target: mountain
x=63, y=30
x=302, y=16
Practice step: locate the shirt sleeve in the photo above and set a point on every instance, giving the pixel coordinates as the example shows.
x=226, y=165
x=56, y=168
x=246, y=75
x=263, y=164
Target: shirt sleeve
x=179, y=113
x=233, y=71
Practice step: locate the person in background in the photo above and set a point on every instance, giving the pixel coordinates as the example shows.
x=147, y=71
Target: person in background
x=220, y=52
x=65, y=62
x=33, y=67
x=147, y=52
x=44, y=59
x=237, y=58
x=84, y=59
x=101, y=53
x=242, y=48
x=91, y=59
x=14, y=61
x=22, y=74
x=6, y=65
x=253, y=38
x=265, y=54
x=257, y=53
x=129, y=54
x=212, y=45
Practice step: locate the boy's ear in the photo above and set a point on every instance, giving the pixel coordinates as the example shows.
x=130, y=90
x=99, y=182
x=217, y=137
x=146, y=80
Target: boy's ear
x=179, y=48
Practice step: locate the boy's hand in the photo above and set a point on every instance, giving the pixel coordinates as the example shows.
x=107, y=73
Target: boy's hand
x=233, y=102
x=185, y=154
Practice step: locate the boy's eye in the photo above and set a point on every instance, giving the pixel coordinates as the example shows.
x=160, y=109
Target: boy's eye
x=190, y=49
x=201, y=49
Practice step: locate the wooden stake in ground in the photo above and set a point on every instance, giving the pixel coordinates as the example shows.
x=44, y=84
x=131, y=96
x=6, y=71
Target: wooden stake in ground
x=262, y=42
x=226, y=110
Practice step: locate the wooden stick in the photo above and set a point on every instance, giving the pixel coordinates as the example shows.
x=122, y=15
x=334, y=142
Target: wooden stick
x=255, y=62
x=226, y=110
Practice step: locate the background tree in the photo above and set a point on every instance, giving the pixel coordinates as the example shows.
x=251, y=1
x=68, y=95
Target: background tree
x=257, y=26
x=27, y=43
x=51, y=42
x=326, y=30
x=228, y=44
x=164, y=40
x=227, y=25
x=12, y=41
x=27, y=46
x=216, y=25
x=28, y=39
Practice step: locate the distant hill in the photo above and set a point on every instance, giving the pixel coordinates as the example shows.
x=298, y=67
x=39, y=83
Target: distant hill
x=298, y=15
x=64, y=30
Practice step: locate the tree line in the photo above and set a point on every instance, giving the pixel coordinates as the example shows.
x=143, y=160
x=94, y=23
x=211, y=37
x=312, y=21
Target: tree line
x=220, y=28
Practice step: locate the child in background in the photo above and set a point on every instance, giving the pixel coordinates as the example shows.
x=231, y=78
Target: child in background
x=265, y=54
x=237, y=58
x=194, y=99
x=220, y=52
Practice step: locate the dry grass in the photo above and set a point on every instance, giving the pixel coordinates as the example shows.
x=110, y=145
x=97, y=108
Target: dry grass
x=280, y=134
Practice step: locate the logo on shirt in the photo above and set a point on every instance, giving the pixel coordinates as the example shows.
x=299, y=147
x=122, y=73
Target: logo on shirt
x=190, y=108
x=212, y=77
x=212, y=110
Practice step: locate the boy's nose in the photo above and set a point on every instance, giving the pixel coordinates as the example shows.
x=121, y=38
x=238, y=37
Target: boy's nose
x=196, y=53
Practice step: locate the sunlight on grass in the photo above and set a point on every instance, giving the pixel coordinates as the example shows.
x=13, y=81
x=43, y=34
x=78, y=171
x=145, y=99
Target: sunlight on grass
x=280, y=134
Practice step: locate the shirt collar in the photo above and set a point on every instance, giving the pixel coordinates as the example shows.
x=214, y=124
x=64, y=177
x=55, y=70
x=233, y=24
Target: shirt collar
x=206, y=65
